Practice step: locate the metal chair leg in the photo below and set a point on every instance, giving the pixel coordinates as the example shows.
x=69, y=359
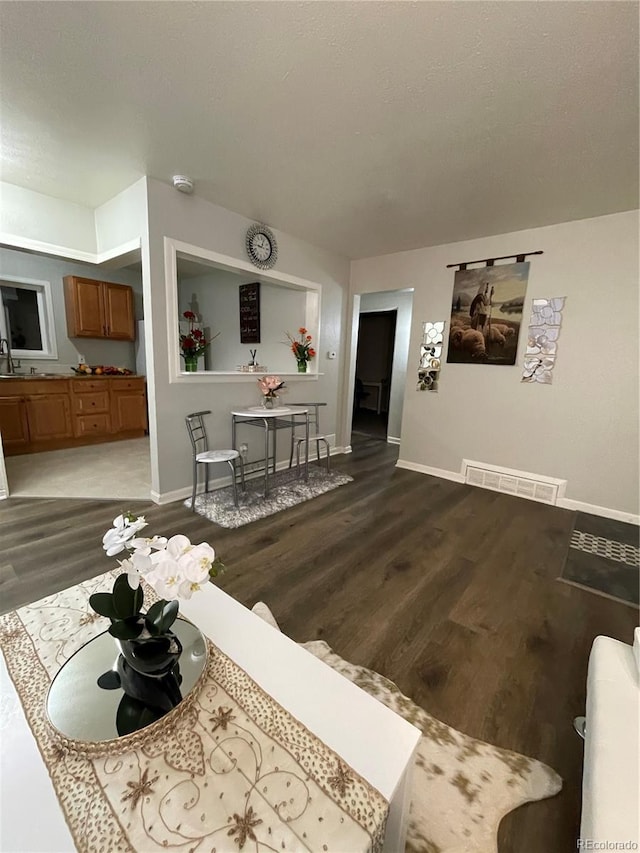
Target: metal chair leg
x=233, y=480
x=328, y=455
x=206, y=477
x=195, y=485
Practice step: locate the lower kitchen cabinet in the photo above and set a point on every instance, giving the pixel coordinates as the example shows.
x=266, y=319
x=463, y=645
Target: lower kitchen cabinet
x=49, y=414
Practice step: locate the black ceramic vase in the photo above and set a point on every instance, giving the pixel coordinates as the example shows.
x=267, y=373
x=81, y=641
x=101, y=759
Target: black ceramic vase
x=152, y=656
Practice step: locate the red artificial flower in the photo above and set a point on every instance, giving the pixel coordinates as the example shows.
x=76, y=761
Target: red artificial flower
x=189, y=315
x=302, y=330
x=312, y=352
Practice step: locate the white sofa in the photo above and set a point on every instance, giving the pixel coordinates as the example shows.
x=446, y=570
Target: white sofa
x=611, y=777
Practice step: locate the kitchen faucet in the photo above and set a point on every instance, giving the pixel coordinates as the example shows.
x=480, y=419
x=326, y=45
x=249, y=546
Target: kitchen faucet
x=7, y=355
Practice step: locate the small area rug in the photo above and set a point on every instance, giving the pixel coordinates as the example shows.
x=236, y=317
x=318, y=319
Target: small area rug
x=286, y=490
x=604, y=558
x=462, y=787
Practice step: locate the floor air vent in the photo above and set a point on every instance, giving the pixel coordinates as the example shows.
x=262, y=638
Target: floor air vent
x=534, y=487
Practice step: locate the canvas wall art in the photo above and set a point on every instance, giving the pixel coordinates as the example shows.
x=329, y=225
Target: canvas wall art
x=486, y=314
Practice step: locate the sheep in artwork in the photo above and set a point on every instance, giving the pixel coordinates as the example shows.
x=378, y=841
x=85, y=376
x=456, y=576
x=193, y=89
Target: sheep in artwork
x=473, y=342
x=455, y=337
x=495, y=336
x=507, y=331
x=456, y=320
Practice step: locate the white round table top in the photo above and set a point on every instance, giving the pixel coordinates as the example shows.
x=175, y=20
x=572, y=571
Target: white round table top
x=276, y=412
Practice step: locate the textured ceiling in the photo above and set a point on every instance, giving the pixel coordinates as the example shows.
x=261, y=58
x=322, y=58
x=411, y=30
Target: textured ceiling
x=362, y=127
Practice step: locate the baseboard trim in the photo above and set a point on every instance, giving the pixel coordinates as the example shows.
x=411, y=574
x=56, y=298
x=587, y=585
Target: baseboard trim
x=392, y=439
x=427, y=469
x=594, y=509
x=562, y=503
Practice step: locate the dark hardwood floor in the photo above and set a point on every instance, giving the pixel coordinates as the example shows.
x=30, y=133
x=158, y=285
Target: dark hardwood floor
x=449, y=590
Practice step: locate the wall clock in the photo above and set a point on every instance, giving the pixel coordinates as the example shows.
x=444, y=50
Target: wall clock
x=261, y=246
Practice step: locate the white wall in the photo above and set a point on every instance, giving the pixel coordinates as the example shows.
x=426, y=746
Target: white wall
x=122, y=219
x=216, y=298
x=43, y=268
x=200, y=223
x=27, y=217
x=400, y=301
x=583, y=427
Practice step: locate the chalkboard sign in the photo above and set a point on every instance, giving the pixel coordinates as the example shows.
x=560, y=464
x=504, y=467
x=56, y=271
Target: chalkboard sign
x=250, y=313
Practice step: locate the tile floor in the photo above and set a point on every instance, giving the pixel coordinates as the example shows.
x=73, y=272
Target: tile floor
x=119, y=469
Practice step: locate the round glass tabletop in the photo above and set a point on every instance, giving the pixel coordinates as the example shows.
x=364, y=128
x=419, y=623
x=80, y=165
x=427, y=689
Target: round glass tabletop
x=97, y=697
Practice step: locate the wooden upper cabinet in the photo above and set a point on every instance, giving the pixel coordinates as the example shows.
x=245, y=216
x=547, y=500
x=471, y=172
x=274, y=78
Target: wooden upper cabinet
x=118, y=310
x=98, y=309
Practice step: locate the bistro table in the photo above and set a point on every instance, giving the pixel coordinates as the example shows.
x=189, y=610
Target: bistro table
x=271, y=420
x=374, y=742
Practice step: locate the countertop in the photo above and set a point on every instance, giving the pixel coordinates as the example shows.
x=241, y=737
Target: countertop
x=22, y=376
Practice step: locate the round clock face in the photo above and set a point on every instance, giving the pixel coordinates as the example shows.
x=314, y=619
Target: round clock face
x=261, y=246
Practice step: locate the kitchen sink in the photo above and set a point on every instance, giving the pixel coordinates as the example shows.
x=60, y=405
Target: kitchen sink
x=26, y=375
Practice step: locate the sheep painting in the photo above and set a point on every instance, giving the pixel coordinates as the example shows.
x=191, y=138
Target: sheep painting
x=486, y=314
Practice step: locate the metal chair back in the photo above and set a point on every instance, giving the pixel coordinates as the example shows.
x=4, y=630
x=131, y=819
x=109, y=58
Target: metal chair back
x=197, y=431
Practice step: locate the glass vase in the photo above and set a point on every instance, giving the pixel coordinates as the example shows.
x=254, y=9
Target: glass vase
x=302, y=367
x=191, y=363
x=268, y=402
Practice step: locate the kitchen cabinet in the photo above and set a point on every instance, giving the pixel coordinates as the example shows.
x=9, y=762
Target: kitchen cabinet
x=91, y=407
x=49, y=414
x=13, y=424
x=98, y=309
x=129, y=406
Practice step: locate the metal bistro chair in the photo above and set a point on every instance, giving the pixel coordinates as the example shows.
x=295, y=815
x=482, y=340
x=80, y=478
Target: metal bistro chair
x=314, y=435
x=203, y=456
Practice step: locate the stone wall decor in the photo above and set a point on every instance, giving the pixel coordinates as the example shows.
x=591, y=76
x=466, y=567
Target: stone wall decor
x=542, y=340
x=430, y=356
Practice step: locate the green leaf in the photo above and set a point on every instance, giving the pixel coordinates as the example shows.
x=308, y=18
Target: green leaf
x=126, y=629
x=161, y=616
x=126, y=601
x=217, y=568
x=102, y=603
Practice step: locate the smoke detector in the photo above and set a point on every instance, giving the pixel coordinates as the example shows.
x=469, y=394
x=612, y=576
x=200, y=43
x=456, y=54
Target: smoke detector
x=183, y=183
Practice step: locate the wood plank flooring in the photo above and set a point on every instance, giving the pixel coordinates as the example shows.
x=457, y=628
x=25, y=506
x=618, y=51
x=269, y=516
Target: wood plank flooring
x=448, y=590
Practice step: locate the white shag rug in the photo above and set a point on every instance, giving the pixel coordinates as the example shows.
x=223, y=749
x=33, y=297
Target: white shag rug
x=286, y=490
x=462, y=787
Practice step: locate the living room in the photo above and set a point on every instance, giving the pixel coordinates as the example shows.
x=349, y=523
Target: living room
x=431, y=139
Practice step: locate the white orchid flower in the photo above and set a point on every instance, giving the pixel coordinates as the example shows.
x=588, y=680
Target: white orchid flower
x=178, y=545
x=148, y=544
x=133, y=577
x=166, y=578
x=119, y=536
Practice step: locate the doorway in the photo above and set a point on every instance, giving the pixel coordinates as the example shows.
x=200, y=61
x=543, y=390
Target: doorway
x=374, y=371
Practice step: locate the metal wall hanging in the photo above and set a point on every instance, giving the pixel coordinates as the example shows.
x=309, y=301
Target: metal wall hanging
x=430, y=355
x=486, y=313
x=542, y=340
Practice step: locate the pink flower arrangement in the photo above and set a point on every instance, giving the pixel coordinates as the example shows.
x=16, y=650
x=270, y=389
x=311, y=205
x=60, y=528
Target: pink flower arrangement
x=269, y=385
